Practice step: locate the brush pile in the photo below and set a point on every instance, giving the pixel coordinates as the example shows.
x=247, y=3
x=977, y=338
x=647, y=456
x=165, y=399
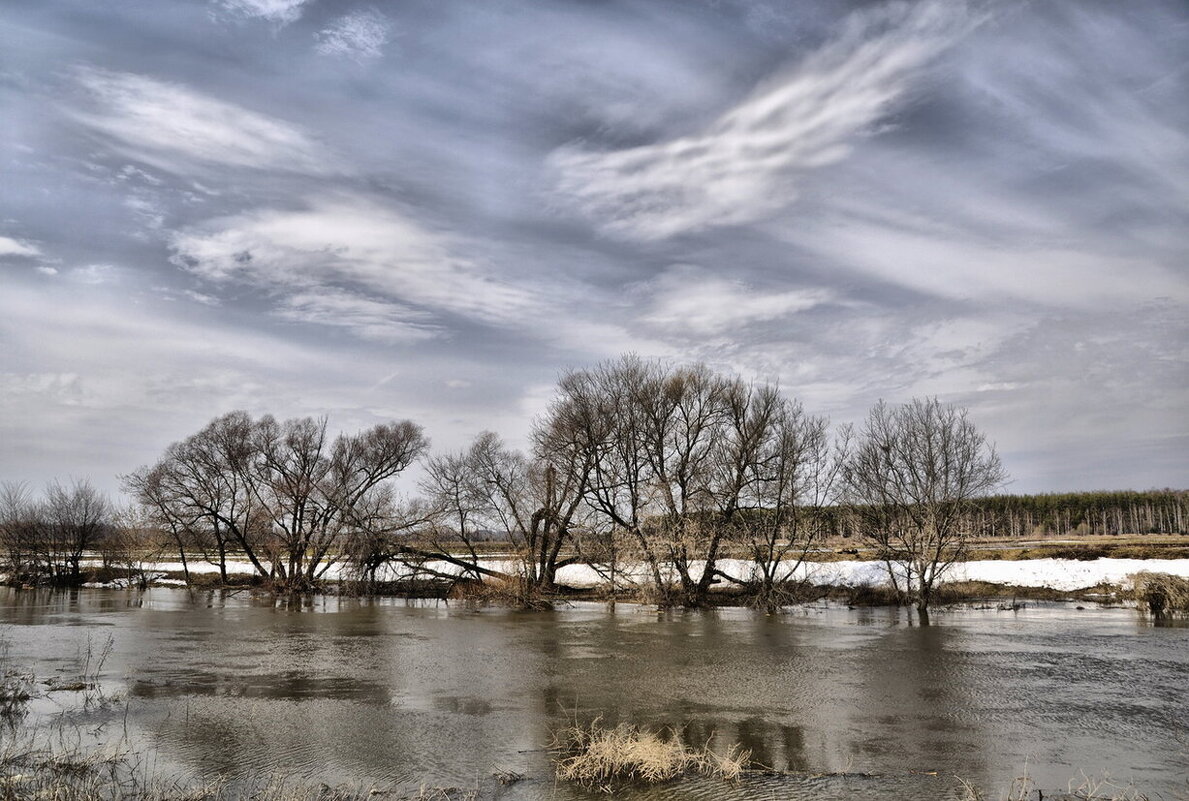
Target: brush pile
x=1161, y=594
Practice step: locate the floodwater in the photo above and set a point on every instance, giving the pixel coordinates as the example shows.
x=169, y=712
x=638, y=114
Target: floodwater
x=838, y=703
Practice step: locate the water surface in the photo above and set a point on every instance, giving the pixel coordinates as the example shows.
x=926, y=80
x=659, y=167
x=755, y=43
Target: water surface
x=381, y=691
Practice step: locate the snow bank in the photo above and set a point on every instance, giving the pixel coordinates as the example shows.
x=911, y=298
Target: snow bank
x=1064, y=575
x=1059, y=574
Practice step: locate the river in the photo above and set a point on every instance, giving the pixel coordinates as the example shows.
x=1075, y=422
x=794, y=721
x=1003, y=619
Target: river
x=839, y=703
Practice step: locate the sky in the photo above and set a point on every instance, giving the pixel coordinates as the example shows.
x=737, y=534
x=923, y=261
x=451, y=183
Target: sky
x=430, y=210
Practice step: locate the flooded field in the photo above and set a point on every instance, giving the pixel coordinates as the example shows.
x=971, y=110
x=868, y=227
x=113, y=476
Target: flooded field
x=838, y=703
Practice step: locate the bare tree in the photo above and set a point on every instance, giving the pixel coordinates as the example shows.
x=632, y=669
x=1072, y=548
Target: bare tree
x=19, y=521
x=47, y=539
x=779, y=477
x=683, y=461
x=382, y=532
x=451, y=484
x=597, y=417
x=133, y=541
x=912, y=476
x=204, y=490
x=492, y=490
x=277, y=492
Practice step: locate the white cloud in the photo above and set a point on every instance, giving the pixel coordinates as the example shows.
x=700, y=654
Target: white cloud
x=369, y=318
x=360, y=36
x=953, y=264
x=744, y=165
x=149, y=211
x=201, y=297
x=95, y=274
x=171, y=126
x=280, y=11
x=17, y=247
x=348, y=240
x=64, y=388
x=135, y=174
x=689, y=300
x=46, y=270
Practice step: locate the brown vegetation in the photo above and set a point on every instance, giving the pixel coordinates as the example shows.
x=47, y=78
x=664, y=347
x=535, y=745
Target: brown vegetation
x=599, y=757
x=1161, y=594
x=33, y=772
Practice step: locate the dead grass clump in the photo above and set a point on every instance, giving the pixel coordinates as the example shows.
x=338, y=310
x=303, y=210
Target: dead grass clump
x=1084, y=788
x=1162, y=594
x=869, y=595
x=511, y=592
x=14, y=695
x=33, y=771
x=598, y=757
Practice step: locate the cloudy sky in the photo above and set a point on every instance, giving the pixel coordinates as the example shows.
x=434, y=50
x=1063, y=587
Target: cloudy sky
x=429, y=209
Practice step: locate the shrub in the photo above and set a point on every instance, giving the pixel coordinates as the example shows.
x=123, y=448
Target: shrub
x=595, y=756
x=1161, y=594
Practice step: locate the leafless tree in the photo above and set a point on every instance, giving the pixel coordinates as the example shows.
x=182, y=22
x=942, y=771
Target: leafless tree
x=684, y=461
x=47, y=539
x=597, y=417
x=133, y=542
x=913, y=474
x=277, y=492
x=384, y=531
x=780, y=474
x=204, y=490
x=19, y=522
x=494, y=490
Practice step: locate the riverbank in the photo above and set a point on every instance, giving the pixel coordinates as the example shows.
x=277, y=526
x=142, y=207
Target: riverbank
x=850, y=580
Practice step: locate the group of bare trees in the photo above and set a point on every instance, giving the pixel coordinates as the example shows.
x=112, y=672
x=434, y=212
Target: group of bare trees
x=651, y=474
x=677, y=462
x=44, y=539
x=281, y=495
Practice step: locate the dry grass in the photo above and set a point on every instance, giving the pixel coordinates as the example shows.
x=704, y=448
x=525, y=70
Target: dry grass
x=1084, y=788
x=33, y=772
x=512, y=592
x=1162, y=594
x=598, y=757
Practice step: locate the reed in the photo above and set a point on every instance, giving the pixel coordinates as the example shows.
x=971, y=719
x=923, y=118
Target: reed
x=599, y=757
x=1161, y=594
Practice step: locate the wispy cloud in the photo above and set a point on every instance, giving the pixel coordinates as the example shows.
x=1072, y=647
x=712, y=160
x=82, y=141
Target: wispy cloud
x=369, y=318
x=95, y=274
x=881, y=199
x=744, y=166
x=348, y=241
x=689, y=300
x=360, y=36
x=953, y=264
x=279, y=11
x=18, y=247
x=175, y=128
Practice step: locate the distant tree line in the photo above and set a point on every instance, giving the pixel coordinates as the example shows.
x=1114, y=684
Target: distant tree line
x=650, y=474
x=1050, y=515
x=1083, y=514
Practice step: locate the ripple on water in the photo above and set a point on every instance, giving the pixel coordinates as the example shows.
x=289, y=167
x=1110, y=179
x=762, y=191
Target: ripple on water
x=387, y=693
